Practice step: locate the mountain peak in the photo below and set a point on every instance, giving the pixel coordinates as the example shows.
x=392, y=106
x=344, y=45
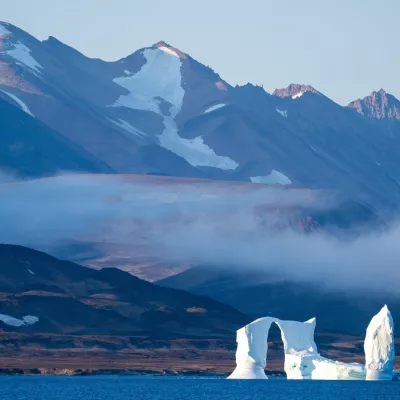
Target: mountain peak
x=295, y=90
x=379, y=104
x=167, y=48
x=161, y=43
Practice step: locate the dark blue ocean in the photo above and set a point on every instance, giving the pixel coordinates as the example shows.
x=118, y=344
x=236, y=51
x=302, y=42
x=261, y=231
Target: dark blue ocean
x=160, y=388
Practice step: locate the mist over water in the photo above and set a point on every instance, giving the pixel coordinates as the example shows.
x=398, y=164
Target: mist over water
x=253, y=227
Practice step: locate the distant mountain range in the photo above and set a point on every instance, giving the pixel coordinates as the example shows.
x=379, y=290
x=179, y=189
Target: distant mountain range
x=159, y=111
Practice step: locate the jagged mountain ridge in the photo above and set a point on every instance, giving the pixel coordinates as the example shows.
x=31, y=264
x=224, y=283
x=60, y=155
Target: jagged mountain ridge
x=159, y=111
x=379, y=105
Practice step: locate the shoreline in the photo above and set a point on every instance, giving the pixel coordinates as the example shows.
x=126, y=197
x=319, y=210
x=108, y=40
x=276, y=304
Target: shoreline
x=120, y=372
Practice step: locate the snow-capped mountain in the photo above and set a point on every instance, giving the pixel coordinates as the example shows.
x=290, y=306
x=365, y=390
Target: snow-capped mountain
x=159, y=111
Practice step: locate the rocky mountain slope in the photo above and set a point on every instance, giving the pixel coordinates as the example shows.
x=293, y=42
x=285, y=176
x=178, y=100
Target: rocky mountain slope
x=29, y=148
x=159, y=111
x=379, y=105
x=42, y=294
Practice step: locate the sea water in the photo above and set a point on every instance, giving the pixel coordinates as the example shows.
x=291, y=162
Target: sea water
x=184, y=388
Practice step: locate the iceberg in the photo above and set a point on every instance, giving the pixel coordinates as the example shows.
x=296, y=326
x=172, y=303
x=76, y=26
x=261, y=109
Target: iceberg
x=252, y=346
x=379, y=347
x=302, y=360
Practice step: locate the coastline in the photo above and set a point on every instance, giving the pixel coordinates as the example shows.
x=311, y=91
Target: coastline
x=122, y=372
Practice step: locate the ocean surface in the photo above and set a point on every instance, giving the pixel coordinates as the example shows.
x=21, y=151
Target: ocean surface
x=166, y=388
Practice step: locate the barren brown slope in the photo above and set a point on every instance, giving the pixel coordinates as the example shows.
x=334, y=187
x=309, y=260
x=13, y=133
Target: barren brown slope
x=70, y=299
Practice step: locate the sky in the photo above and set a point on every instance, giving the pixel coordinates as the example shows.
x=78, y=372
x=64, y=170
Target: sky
x=346, y=49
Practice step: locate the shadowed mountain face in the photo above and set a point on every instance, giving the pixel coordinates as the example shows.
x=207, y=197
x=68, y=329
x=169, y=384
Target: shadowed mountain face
x=61, y=297
x=261, y=295
x=28, y=148
x=159, y=111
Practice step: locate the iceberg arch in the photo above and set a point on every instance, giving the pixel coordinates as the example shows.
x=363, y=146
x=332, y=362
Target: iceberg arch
x=302, y=360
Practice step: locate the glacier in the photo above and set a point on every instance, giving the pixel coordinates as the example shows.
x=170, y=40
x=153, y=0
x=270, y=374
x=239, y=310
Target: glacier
x=302, y=360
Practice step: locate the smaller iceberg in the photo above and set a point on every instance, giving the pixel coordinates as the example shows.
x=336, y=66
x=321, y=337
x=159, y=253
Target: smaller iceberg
x=379, y=347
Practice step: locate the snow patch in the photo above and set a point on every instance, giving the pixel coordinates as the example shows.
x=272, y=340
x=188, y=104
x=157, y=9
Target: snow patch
x=213, y=108
x=282, y=112
x=22, y=54
x=160, y=77
x=168, y=50
x=274, y=178
x=127, y=126
x=4, y=31
x=11, y=321
x=297, y=95
x=195, y=151
x=23, y=106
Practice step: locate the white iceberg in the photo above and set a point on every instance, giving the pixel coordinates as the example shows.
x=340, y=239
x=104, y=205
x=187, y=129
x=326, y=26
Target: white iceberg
x=252, y=346
x=302, y=360
x=379, y=347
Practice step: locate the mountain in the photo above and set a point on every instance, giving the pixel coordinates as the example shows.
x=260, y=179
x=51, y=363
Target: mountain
x=61, y=297
x=28, y=148
x=90, y=101
x=159, y=111
x=379, y=105
x=260, y=295
x=295, y=91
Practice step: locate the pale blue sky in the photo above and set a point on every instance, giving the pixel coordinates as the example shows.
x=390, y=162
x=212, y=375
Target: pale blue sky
x=345, y=48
